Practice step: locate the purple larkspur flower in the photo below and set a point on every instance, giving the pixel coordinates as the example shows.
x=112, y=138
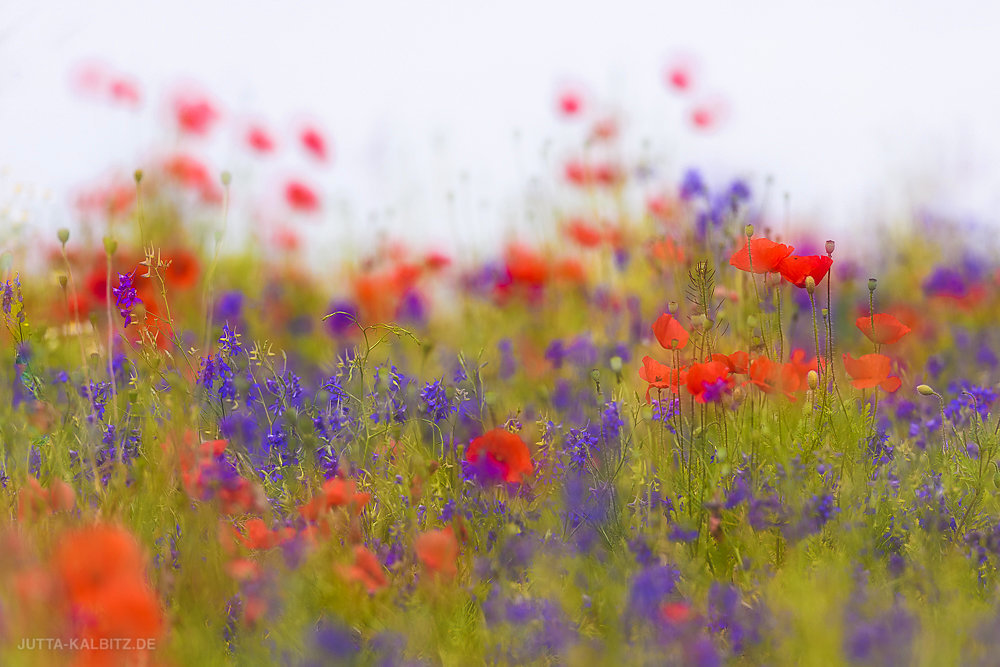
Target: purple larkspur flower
x=126, y=297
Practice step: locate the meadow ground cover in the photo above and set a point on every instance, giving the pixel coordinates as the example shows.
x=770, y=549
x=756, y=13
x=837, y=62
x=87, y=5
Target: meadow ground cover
x=669, y=436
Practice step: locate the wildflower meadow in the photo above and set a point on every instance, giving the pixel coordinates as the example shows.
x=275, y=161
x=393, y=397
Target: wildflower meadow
x=667, y=425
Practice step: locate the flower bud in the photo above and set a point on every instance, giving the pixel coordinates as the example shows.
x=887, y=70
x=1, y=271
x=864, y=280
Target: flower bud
x=872, y=284
x=63, y=235
x=616, y=364
x=830, y=245
x=110, y=245
x=810, y=284
x=138, y=176
x=812, y=379
x=226, y=178
x=748, y=230
x=925, y=390
x=62, y=281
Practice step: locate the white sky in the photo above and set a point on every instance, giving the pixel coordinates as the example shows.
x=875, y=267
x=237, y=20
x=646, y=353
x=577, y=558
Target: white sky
x=855, y=108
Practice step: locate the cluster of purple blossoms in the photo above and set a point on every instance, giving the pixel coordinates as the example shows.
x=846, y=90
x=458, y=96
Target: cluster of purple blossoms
x=125, y=297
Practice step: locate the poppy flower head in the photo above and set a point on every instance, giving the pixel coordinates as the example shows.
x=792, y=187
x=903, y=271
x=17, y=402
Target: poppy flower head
x=314, y=143
x=195, y=113
x=570, y=102
x=708, y=381
x=887, y=329
x=871, y=370
x=301, y=197
x=762, y=254
x=499, y=454
x=259, y=139
x=669, y=332
x=438, y=551
x=660, y=376
x=366, y=570
x=796, y=269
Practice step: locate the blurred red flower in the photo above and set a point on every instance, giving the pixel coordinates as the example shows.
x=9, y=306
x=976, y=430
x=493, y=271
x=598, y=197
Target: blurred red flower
x=871, y=370
x=438, y=551
x=887, y=329
x=301, y=197
x=502, y=451
x=765, y=255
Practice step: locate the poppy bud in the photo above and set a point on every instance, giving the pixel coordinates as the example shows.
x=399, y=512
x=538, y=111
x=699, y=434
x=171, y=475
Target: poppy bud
x=925, y=390
x=748, y=230
x=812, y=378
x=673, y=306
x=226, y=178
x=752, y=321
x=810, y=284
x=62, y=281
x=63, y=235
x=872, y=284
x=616, y=364
x=830, y=245
x=138, y=175
x=110, y=245
x=595, y=375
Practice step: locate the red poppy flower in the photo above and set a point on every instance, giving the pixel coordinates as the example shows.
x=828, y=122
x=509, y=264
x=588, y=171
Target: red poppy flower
x=660, y=376
x=871, y=370
x=669, y=332
x=737, y=362
x=34, y=501
x=195, y=113
x=771, y=377
x=259, y=139
x=501, y=452
x=667, y=252
x=182, y=272
x=582, y=174
x=887, y=330
x=676, y=612
x=438, y=551
x=679, y=77
x=796, y=269
x=526, y=266
x=703, y=379
x=125, y=91
x=301, y=197
x=336, y=492
x=314, y=143
x=584, y=233
x=366, y=569
x=765, y=255
x=570, y=103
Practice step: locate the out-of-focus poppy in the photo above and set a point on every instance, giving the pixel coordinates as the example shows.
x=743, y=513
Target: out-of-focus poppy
x=301, y=197
x=259, y=139
x=195, y=113
x=584, y=233
x=35, y=501
x=762, y=254
x=502, y=454
x=570, y=102
x=871, y=370
x=738, y=362
x=182, y=272
x=336, y=492
x=669, y=332
x=314, y=143
x=796, y=269
x=366, y=569
x=438, y=551
x=887, y=329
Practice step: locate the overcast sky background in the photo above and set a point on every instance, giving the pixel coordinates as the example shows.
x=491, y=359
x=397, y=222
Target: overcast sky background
x=858, y=110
